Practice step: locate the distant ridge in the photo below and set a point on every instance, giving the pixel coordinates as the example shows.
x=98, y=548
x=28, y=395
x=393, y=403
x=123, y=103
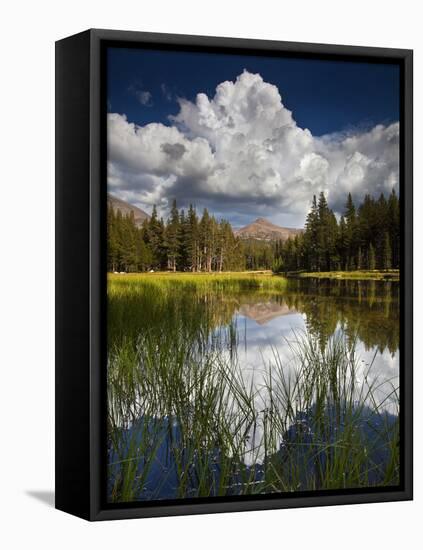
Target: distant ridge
x=263, y=230
x=126, y=208
x=260, y=229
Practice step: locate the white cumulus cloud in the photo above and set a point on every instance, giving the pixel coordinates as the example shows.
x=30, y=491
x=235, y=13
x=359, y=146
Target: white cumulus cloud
x=241, y=154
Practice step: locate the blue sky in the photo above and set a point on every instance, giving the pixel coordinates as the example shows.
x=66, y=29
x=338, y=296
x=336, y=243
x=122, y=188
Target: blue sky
x=329, y=98
x=326, y=96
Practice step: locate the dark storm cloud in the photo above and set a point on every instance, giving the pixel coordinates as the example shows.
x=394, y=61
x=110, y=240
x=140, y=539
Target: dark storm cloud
x=174, y=150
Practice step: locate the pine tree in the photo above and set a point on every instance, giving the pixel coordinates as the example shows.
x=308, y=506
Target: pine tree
x=144, y=258
x=341, y=244
x=333, y=260
x=192, y=240
x=183, y=239
x=359, y=258
x=129, y=248
x=350, y=238
x=372, y=258
x=205, y=241
x=120, y=241
x=327, y=233
x=223, y=244
x=230, y=255
x=380, y=226
x=172, y=237
x=112, y=240
x=156, y=241
x=311, y=237
x=387, y=253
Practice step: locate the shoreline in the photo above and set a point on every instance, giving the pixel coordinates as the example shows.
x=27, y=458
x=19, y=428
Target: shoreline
x=363, y=275
x=375, y=275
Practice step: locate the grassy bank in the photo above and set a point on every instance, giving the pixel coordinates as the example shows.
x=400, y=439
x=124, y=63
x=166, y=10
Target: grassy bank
x=375, y=275
x=228, y=281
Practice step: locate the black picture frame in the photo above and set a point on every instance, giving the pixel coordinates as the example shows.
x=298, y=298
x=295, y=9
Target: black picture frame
x=81, y=273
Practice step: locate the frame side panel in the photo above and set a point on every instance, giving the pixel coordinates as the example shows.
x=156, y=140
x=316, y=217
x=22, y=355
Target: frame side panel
x=72, y=275
x=407, y=243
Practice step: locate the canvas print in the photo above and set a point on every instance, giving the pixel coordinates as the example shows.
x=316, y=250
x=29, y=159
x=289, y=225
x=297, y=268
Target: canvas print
x=253, y=258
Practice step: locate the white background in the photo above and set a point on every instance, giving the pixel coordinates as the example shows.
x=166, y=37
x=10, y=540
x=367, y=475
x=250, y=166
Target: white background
x=28, y=32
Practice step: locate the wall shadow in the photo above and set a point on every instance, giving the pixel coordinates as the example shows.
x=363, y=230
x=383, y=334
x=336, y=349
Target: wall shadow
x=46, y=497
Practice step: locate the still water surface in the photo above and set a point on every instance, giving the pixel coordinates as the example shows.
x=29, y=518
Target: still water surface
x=252, y=331
x=366, y=312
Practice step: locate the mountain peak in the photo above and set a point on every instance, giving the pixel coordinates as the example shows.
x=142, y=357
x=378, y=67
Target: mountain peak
x=264, y=230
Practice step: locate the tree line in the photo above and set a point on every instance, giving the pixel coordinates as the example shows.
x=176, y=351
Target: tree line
x=186, y=242
x=365, y=237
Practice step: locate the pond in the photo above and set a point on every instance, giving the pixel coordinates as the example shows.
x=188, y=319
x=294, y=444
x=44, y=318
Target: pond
x=229, y=389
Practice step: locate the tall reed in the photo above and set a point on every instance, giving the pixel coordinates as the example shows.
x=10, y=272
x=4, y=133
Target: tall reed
x=183, y=422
